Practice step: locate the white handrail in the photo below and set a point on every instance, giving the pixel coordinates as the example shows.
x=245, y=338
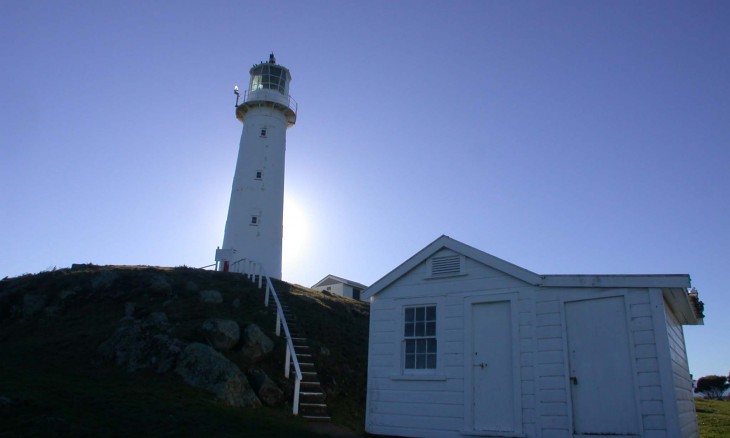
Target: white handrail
x=255, y=272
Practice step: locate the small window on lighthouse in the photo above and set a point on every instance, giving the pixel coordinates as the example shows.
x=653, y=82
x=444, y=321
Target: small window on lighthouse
x=259, y=174
x=254, y=220
x=263, y=132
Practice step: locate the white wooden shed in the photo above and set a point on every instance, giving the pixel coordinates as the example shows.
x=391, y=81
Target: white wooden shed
x=463, y=343
x=340, y=286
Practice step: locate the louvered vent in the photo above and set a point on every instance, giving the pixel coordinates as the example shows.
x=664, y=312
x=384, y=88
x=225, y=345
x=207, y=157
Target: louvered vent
x=448, y=265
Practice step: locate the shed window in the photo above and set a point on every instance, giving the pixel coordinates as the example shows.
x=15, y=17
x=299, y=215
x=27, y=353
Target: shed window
x=419, y=332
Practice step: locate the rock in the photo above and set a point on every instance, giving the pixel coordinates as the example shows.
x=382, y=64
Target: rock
x=237, y=303
x=155, y=319
x=202, y=367
x=265, y=388
x=134, y=348
x=32, y=304
x=221, y=334
x=256, y=345
x=211, y=296
x=159, y=285
x=190, y=286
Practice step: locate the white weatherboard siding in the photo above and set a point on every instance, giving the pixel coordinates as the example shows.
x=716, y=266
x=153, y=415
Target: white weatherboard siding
x=432, y=404
x=682, y=381
x=508, y=345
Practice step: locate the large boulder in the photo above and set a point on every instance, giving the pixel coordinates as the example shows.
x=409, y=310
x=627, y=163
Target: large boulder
x=221, y=334
x=144, y=344
x=265, y=388
x=202, y=367
x=256, y=345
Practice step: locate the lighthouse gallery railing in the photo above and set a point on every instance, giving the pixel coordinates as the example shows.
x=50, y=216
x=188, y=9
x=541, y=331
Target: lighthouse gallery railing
x=255, y=273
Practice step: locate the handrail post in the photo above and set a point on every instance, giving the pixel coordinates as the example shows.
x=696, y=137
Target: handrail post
x=287, y=363
x=278, y=323
x=295, y=407
x=266, y=297
x=259, y=269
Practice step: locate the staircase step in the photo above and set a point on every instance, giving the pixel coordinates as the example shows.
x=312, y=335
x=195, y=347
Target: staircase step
x=317, y=397
x=313, y=409
x=318, y=418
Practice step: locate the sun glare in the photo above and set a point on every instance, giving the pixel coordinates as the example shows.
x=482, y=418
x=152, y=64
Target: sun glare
x=296, y=232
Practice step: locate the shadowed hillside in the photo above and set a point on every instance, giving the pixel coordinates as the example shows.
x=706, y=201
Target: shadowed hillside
x=98, y=350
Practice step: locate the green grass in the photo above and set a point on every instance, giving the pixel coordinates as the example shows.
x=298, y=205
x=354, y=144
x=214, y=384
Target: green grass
x=52, y=372
x=713, y=417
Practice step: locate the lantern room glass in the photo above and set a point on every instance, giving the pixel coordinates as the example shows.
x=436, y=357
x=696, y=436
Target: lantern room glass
x=269, y=76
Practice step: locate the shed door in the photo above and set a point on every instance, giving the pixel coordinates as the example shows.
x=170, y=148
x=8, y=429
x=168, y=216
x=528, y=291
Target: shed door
x=492, y=382
x=601, y=374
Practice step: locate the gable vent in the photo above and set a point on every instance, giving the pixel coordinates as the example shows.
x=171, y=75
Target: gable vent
x=448, y=265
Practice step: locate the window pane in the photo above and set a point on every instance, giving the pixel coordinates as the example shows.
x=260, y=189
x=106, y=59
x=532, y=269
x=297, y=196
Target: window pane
x=420, y=329
x=420, y=361
x=410, y=346
x=410, y=361
x=430, y=329
x=431, y=313
x=408, y=329
x=431, y=345
x=420, y=313
x=431, y=361
x=409, y=314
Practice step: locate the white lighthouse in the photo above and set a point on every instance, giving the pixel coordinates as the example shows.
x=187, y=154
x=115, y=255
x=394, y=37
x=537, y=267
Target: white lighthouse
x=256, y=212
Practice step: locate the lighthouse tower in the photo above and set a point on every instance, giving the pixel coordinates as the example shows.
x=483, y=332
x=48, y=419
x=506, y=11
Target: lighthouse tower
x=256, y=211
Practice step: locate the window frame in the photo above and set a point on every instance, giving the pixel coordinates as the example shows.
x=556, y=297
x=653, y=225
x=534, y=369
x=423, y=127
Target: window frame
x=426, y=335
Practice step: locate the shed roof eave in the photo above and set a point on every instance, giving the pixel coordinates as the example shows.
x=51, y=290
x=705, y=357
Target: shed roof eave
x=679, y=304
x=658, y=280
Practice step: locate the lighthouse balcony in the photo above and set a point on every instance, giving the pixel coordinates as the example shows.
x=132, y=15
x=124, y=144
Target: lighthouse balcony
x=268, y=98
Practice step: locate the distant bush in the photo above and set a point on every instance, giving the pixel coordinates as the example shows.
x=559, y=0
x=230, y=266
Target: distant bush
x=712, y=386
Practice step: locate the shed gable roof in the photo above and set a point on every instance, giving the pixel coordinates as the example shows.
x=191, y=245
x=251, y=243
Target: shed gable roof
x=673, y=286
x=461, y=248
x=333, y=279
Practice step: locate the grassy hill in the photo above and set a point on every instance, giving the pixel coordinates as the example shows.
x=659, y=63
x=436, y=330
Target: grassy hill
x=54, y=381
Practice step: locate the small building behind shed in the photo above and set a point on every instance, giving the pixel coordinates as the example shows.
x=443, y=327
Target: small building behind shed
x=463, y=343
x=340, y=286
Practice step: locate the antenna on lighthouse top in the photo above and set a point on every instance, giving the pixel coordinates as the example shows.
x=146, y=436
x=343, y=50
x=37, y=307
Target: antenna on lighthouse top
x=272, y=60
